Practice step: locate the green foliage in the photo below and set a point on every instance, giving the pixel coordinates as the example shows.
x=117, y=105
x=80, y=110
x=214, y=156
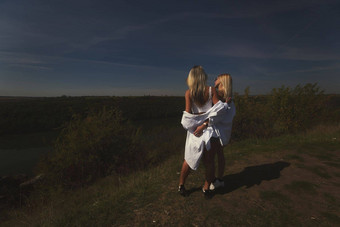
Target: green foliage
x=97, y=142
x=296, y=109
x=284, y=110
x=252, y=117
x=94, y=146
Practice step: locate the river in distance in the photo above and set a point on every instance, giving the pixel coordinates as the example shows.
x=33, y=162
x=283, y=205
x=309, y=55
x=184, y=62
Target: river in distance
x=19, y=154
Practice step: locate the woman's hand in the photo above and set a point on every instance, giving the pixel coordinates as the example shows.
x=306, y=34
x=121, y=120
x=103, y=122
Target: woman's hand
x=199, y=130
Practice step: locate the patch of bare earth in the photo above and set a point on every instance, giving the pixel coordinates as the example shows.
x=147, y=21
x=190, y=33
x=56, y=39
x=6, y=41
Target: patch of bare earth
x=281, y=186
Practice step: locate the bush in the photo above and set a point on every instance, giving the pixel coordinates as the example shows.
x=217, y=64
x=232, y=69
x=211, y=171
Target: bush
x=296, y=109
x=90, y=147
x=284, y=110
x=252, y=118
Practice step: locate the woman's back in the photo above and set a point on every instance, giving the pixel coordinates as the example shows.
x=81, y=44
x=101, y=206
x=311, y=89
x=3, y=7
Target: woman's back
x=210, y=98
x=195, y=108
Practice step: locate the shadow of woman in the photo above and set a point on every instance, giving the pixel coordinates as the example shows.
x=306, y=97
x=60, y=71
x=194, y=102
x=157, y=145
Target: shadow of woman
x=252, y=175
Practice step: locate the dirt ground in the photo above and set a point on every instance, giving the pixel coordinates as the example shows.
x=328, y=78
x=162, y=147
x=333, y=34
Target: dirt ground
x=294, y=187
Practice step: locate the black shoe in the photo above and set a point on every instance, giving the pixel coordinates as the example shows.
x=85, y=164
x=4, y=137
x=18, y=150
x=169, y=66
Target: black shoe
x=182, y=191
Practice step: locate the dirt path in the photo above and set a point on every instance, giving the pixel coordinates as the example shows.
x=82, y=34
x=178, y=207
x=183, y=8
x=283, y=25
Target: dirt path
x=280, y=188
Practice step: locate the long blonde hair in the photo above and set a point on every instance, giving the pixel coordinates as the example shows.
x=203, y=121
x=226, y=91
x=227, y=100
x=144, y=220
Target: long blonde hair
x=197, y=81
x=227, y=85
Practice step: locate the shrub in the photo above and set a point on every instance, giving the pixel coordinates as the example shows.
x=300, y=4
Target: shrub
x=296, y=109
x=90, y=147
x=284, y=110
x=252, y=117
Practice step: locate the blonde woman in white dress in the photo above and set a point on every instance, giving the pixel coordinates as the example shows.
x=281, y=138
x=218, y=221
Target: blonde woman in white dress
x=198, y=99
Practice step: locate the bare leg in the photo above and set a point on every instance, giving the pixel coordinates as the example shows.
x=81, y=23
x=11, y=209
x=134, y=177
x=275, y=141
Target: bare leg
x=208, y=158
x=184, y=173
x=221, y=162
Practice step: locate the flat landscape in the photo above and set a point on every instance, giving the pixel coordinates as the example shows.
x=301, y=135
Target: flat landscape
x=110, y=165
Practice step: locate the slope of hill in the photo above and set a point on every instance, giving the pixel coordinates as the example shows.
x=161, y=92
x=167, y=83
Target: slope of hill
x=284, y=181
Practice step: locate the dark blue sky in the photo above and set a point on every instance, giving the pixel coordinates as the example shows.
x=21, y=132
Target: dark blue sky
x=52, y=48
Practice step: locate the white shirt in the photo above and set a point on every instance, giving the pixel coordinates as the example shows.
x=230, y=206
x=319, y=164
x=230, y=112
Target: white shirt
x=220, y=121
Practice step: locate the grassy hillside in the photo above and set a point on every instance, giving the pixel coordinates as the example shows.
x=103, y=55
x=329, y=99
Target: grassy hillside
x=117, y=162
x=290, y=180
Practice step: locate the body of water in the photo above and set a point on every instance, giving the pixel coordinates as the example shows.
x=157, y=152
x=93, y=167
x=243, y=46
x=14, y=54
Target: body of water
x=19, y=154
x=20, y=161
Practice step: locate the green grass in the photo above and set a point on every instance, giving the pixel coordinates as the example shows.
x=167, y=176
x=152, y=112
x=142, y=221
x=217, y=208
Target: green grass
x=104, y=203
x=317, y=142
x=149, y=197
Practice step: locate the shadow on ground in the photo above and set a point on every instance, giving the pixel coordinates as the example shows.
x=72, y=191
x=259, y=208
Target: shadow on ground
x=252, y=175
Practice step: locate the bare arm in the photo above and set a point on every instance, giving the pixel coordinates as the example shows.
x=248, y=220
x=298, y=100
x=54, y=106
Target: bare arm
x=199, y=130
x=187, y=102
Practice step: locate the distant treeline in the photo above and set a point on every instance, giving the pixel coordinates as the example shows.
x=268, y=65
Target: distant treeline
x=283, y=110
x=28, y=115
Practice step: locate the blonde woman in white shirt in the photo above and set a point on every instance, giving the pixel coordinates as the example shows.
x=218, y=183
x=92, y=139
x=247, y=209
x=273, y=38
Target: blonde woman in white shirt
x=223, y=86
x=198, y=99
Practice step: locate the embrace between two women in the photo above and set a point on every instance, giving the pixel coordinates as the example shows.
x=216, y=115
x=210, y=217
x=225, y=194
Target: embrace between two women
x=208, y=119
